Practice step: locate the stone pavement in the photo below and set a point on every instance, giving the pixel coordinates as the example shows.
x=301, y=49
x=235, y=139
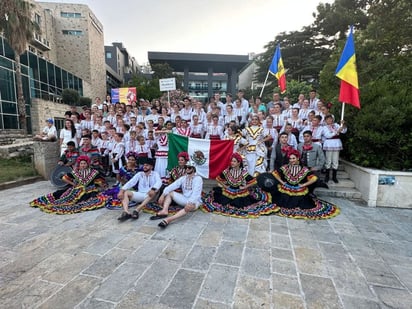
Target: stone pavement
x=360, y=259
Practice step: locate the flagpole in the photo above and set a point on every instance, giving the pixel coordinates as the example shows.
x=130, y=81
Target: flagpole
x=343, y=111
x=264, y=84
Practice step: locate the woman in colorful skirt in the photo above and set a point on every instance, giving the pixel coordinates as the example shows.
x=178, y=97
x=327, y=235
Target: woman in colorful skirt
x=81, y=195
x=238, y=194
x=292, y=193
x=125, y=174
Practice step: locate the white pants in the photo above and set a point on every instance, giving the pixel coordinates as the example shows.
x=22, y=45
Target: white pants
x=181, y=200
x=332, y=159
x=139, y=196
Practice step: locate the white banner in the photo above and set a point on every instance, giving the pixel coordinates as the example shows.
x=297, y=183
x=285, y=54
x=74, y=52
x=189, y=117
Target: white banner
x=167, y=84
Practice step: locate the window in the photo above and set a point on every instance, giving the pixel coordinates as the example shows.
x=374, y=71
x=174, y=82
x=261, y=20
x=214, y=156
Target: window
x=108, y=55
x=70, y=15
x=37, y=19
x=72, y=32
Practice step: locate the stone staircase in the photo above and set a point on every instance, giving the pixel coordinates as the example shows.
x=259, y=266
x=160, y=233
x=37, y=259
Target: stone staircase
x=345, y=188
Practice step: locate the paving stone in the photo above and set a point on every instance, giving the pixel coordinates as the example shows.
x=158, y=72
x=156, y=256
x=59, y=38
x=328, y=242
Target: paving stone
x=105, y=243
x=210, y=237
x=71, y=294
x=105, y=265
x=256, y=263
x=61, y=268
x=262, y=224
x=148, y=252
x=229, y=253
x=281, y=229
x=380, y=274
x=235, y=232
x=183, y=289
x=220, y=283
x=287, y=301
x=176, y=251
x=200, y=258
x=95, y=304
x=116, y=285
x=258, y=239
x=334, y=254
x=352, y=302
x=394, y=298
x=282, y=254
x=404, y=274
x=252, y=293
x=208, y=304
x=310, y=261
x=32, y=296
x=319, y=292
x=132, y=242
x=284, y=267
x=282, y=283
x=280, y=241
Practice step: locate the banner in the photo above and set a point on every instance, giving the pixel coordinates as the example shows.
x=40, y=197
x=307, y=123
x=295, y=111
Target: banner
x=125, y=95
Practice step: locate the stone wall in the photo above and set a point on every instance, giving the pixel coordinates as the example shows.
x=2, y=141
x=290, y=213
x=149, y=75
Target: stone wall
x=42, y=110
x=46, y=155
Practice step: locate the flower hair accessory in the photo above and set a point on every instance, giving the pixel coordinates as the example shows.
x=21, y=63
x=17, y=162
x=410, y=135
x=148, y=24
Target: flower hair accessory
x=83, y=158
x=183, y=155
x=237, y=156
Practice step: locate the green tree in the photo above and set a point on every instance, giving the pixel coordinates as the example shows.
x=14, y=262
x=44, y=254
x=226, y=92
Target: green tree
x=146, y=88
x=70, y=96
x=17, y=26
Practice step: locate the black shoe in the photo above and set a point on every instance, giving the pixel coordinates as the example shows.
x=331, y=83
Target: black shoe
x=135, y=215
x=124, y=216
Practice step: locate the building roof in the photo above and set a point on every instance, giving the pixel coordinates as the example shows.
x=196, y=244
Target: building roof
x=199, y=62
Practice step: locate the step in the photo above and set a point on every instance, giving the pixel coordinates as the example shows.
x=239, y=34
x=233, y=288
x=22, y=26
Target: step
x=349, y=193
x=343, y=183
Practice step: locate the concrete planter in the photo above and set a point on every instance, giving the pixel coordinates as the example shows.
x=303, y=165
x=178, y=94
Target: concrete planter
x=381, y=188
x=46, y=156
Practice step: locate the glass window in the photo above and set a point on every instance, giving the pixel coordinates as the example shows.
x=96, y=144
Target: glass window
x=51, y=74
x=72, y=32
x=10, y=122
x=1, y=47
x=70, y=80
x=37, y=19
x=58, y=77
x=43, y=70
x=65, y=79
x=9, y=107
x=108, y=55
x=8, y=52
x=34, y=66
x=80, y=87
x=75, y=83
x=6, y=63
x=7, y=88
x=70, y=14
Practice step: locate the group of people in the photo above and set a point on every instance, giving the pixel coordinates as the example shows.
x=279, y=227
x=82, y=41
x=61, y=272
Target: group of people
x=281, y=144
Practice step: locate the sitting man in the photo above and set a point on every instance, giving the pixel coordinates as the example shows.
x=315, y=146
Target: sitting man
x=49, y=133
x=70, y=155
x=190, y=198
x=148, y=184
x=313, y=157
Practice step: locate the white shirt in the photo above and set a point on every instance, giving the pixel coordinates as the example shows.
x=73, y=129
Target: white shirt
x=145, y=182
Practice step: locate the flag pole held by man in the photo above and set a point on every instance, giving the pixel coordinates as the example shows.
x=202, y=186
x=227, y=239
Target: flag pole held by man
x=346, y=71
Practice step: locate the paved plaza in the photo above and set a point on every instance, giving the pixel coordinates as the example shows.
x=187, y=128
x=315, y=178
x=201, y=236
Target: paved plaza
x=360, y=259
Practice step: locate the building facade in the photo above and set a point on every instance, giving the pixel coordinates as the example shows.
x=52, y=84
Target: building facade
x=204, y=74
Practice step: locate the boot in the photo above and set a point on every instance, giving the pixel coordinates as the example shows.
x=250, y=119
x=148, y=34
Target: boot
x=327, y=175
x=334, y=172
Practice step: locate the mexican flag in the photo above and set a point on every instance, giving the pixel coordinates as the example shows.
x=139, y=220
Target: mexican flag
x=210, y=157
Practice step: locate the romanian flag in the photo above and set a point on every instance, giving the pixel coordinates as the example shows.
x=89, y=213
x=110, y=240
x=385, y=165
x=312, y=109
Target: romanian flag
x=210, y=157
x=346, y=71
x=276, y=68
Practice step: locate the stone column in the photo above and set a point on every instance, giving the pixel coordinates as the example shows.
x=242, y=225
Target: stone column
x=46, y=155
x=209, y=82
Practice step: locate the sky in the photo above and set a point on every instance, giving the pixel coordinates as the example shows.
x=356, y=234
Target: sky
x=235, y=27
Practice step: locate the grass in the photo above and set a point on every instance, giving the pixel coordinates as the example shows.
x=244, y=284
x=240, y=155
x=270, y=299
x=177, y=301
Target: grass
x=16, y=169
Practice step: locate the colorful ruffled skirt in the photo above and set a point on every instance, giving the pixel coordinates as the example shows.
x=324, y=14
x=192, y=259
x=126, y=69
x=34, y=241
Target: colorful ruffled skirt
x=72, y=200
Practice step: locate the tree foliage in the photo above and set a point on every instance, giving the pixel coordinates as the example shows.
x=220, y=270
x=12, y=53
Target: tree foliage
x=145, y=88
x=70, y=96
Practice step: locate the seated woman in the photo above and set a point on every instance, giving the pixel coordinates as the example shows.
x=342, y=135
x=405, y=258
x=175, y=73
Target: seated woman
x=125, y=174
x=83, y=193
x=292, y=193
x=238, y=194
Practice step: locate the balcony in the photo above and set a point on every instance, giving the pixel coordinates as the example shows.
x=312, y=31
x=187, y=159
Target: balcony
x=40, y=42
